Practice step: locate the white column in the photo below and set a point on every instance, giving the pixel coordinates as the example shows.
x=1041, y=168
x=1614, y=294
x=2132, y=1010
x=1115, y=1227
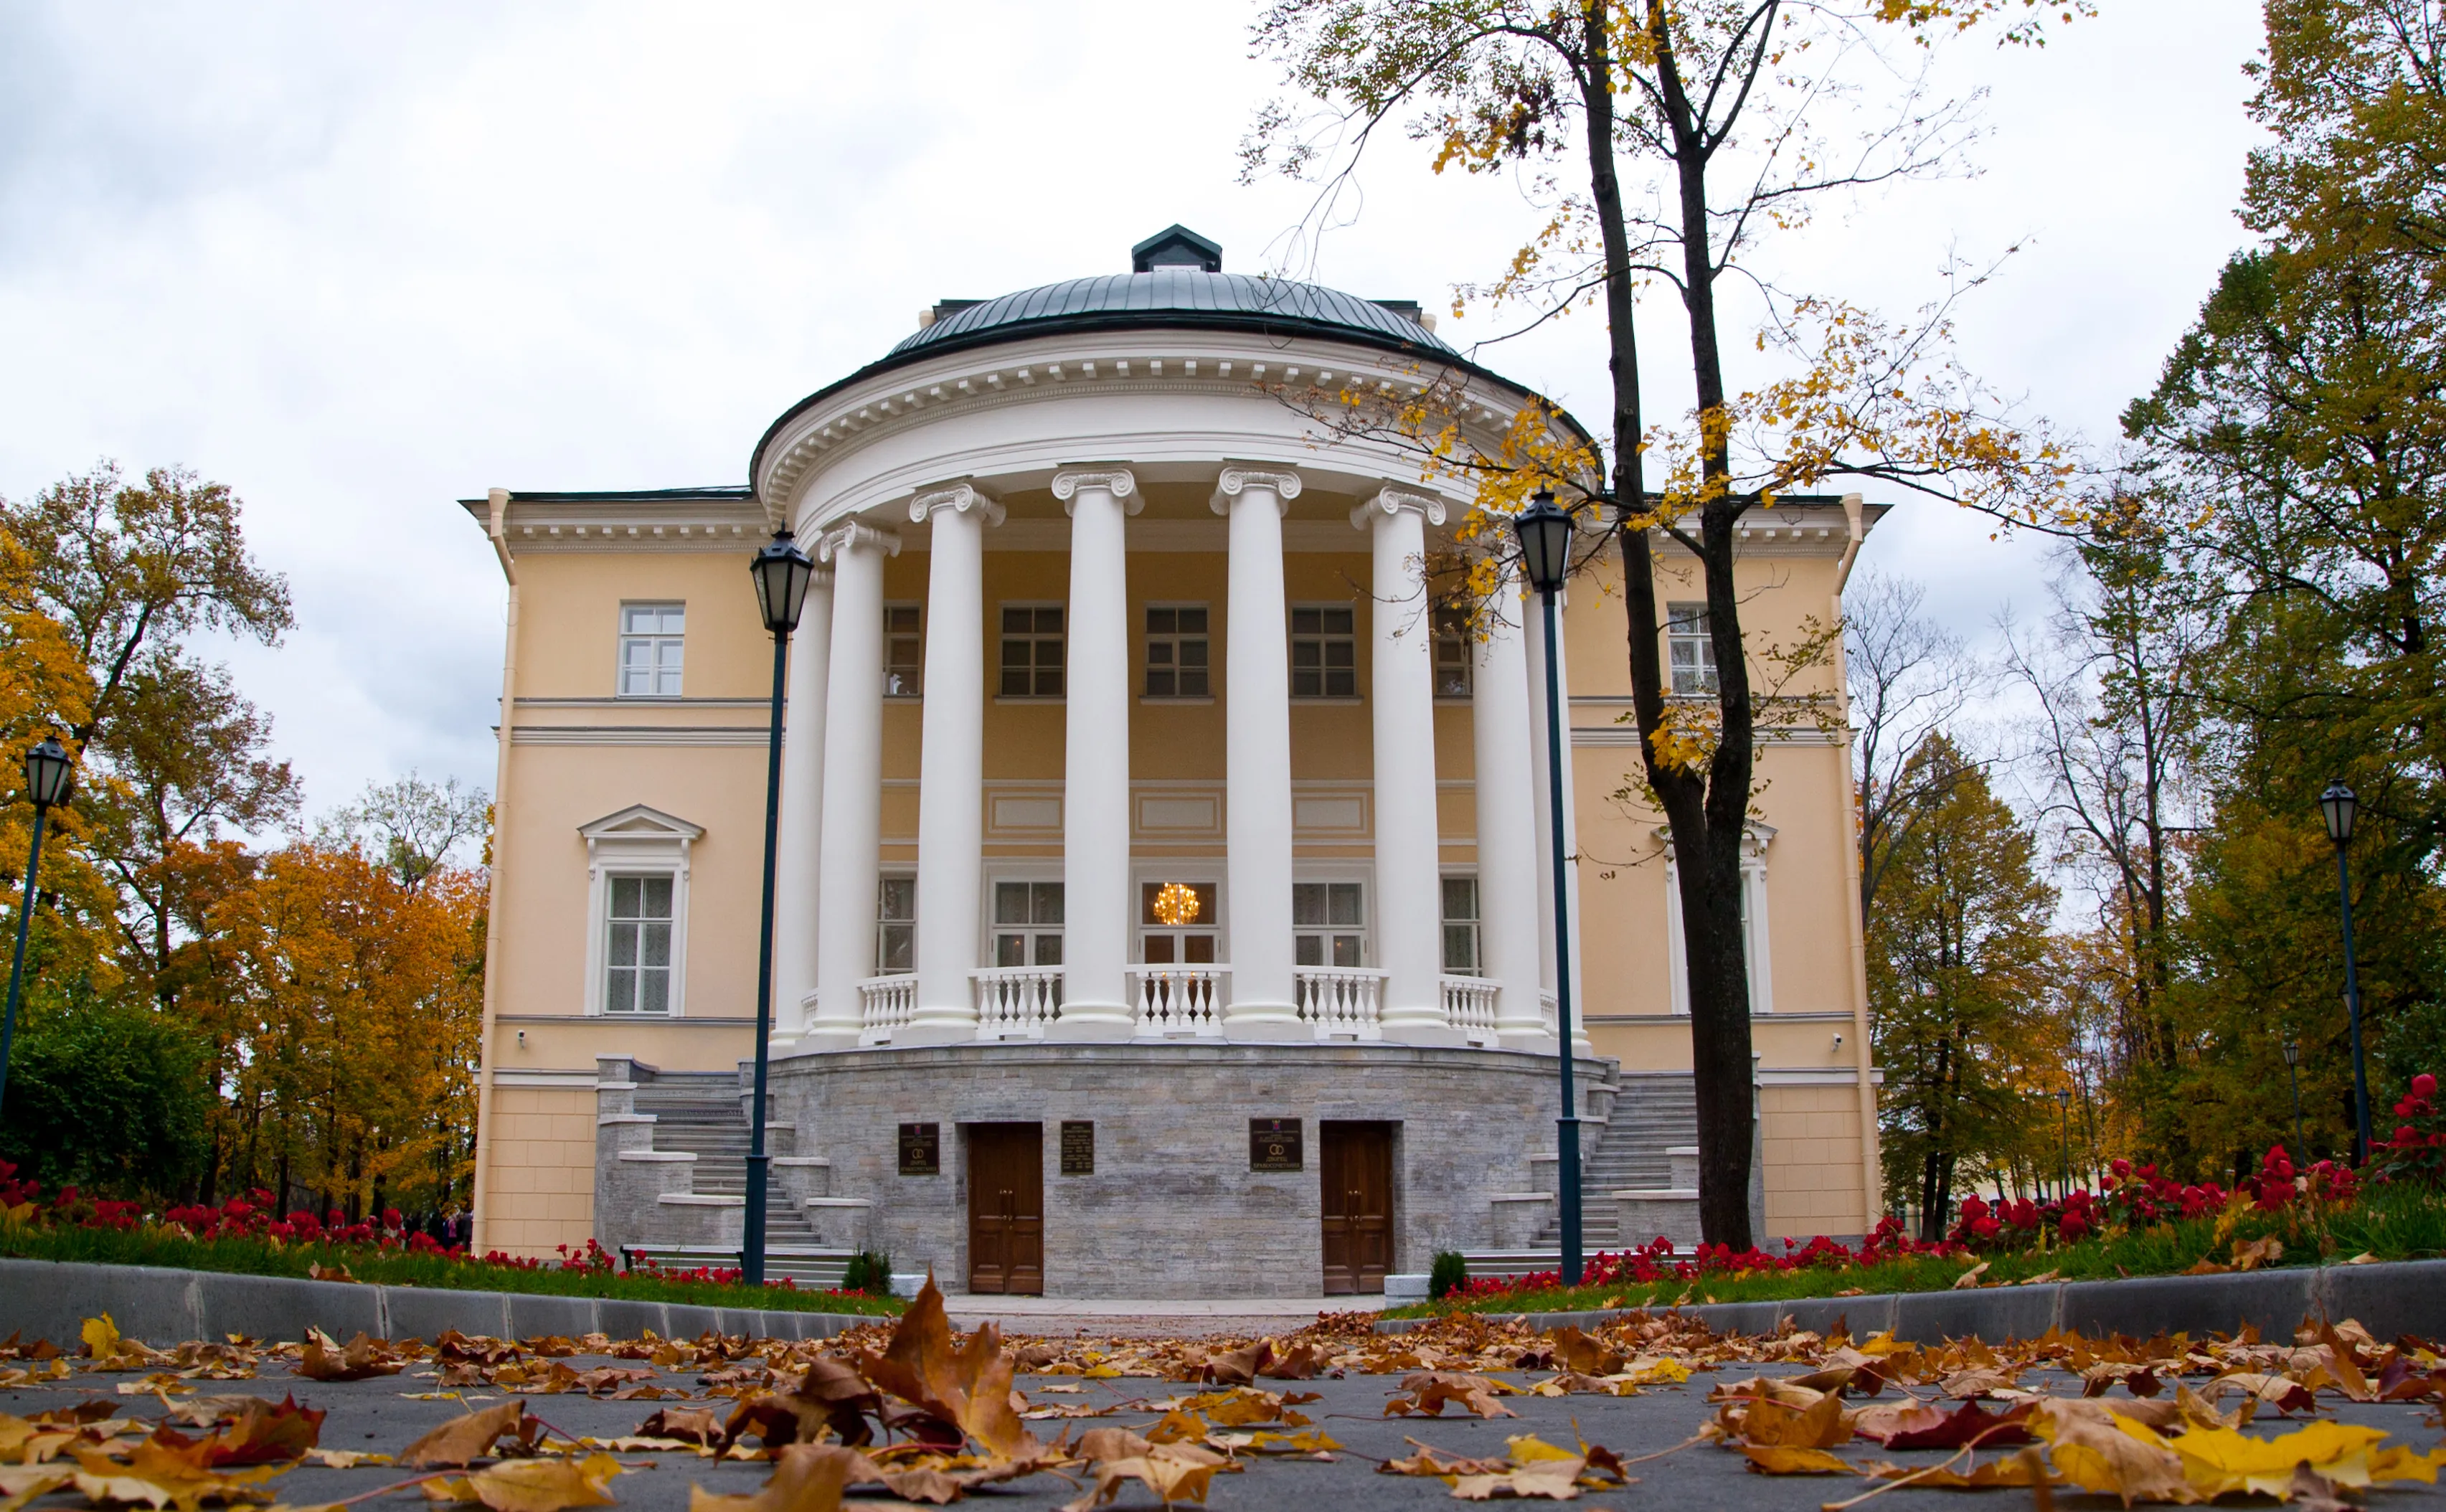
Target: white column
x=1401, y=699
x=1257, y=758
x=1508, y=782
x=951, y=772
x=1096, y=762
x=1535, y=636
x=802, y=797
x=853, y=794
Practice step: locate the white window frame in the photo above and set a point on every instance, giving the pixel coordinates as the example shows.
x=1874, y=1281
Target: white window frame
x=1368, y=902
x=1703, y=638
x=1476, y=923
x=1030, y=872
x=635, y=842
x=1031, y=607
x=655, y=640
x=1449, y=626
x=1148, y=638
x=895, y=874
x=1206, y=869
x=918, y=673
x=1291, y=639
x=1757, y=954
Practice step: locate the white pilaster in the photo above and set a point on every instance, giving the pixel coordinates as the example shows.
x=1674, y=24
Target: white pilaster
x=1402, y=700
x=853, y=789
x=1096, y=762
x=1535, y=637
x=950, y=774
x=794, y=883
x=1257, y=757
x=1508, y=782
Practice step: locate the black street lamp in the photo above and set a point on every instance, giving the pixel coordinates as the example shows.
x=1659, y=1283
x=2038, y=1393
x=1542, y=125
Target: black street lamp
x=782, y=573
x=2338, y=806
x=48, y=771
x=1546, y=560
x=2292, y=1049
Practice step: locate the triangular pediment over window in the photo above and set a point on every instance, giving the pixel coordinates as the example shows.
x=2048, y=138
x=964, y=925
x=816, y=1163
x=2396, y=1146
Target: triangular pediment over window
x=639, y=821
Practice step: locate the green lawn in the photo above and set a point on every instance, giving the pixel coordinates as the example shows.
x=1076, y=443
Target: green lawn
x=2391, y=1224
x=252, y=1257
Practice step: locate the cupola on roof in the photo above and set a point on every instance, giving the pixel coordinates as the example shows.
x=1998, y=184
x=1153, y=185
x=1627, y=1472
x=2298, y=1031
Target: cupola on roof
x=1177, y=279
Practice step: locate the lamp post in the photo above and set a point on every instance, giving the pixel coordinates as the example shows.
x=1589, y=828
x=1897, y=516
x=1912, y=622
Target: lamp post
x=2338, y=806
x=782, y=573
x=1545, y=558
x=2292, y=1049
x=49, y=768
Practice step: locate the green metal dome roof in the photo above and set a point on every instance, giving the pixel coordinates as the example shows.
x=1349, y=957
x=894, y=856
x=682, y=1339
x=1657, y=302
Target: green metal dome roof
x=1171, y=295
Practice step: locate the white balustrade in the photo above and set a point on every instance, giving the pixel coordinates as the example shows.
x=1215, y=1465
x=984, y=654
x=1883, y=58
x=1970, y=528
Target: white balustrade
x=1178, y=999
x=1016, y=1002
x=885, y=1003
x=1340, y=1000
x=1469, y=1004
x=1546, y=1014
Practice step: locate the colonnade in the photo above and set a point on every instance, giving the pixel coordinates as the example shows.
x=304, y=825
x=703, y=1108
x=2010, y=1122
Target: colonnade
x=829, y=867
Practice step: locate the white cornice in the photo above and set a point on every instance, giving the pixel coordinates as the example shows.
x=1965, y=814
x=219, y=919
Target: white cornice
x=1144, y=361
x=627, y=525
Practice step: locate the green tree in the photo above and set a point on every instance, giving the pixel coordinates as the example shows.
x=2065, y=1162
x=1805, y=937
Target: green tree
x=1958, y=957
x=110, y=1097
x=1661, y=143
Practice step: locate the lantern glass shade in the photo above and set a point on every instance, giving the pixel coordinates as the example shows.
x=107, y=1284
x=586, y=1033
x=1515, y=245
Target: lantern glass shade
x=49, y=768
x=2338, y=806
x=1545, y=544
x=782, y=573
x=2292, y=1050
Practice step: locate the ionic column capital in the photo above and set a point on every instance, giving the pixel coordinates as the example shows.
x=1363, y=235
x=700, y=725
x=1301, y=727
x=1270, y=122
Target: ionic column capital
x=1285, y=486
x=852, y=535
x=959, y=497
x=1118, y=482
x=1391, y=500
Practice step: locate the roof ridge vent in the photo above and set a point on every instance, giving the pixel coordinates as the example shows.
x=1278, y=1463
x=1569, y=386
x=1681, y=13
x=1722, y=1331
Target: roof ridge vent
x=1176, y=246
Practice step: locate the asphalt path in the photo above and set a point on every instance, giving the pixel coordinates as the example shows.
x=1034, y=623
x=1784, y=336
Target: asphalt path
x=384, y=1414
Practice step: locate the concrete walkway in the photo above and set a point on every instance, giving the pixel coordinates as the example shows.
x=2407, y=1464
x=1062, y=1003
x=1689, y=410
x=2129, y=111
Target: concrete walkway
x=1149, y=1317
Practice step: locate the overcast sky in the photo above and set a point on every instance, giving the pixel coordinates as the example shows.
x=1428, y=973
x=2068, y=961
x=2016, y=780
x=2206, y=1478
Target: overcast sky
x=360, y=261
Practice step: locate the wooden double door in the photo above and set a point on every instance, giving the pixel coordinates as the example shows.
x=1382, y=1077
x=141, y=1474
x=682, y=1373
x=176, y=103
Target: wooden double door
x=1356, y=1162
x=1006, y=1208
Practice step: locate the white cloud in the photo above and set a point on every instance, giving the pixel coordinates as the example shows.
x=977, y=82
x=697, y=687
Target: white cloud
x=362, y=261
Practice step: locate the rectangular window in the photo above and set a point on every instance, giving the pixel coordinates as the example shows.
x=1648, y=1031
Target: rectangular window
x=650, y=650
x=895, y=927
x=904, y=652
x=1325, y=653
x=1031, y=650
x=1456, y=651
x=1176, y=654
x=1460, y=926
x=1027, y=923
x=637, y=956
x=1693, y=651
x=1329, y=926
x=1176, y=923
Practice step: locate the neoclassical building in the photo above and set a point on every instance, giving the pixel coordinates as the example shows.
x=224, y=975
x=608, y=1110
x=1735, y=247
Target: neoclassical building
x=1163, y=904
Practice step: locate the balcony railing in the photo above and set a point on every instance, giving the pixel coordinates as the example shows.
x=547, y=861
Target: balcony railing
x=884, y=1004
x=1340, y=1000
x=1178, y=999
x=1469, y=1002
x=1016, y=1002
x=1547, y=1014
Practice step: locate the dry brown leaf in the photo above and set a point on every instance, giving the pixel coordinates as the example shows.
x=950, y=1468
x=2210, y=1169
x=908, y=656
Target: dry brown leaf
x=1821, y=1426
x=465, y=1440
x=808, y=1477
x=2121, y=1458
x=1971, y=1277
x=1784, y=1459
x=965, y=1385
x=324, y=1360
x=531, y=1486
x=1430, y=1390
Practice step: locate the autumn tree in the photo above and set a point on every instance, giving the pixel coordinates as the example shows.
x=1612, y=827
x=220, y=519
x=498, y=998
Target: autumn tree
x=1910, y=678
x=1659, y=145
x=1959, y=973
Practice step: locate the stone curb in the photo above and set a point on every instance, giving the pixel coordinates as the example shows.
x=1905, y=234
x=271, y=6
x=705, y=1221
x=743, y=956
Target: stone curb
x=2406, y=1296
x=50, y=1300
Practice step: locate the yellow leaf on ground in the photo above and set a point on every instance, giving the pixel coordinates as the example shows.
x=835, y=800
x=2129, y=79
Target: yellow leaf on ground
x=533, y=1486
x=101, y=1337
x=2218, y=1461
x=808, y=1477
x=2115, y=1457
x=1783, y=1459
x=465, y=1440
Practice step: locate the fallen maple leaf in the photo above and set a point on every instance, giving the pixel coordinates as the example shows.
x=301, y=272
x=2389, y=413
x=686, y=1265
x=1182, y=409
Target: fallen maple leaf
x=967, y=1386
x=1784, y=1459
x=465, y=1440
x=324, y=1360
x=2216, y=1461
x=1175, y=1472
x=1924, y=1426
x=2117, y=1457
x=1971, y=1277
x=1823, y=1425
x=531, y=1486
x=1535, y=1470
x=688, y=1424
x=1430, y=1390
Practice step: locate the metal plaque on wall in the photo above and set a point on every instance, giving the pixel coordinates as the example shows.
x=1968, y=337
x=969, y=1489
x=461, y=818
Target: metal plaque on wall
x=1078, y=1148
x=921, y=1149
x=1274, y=1145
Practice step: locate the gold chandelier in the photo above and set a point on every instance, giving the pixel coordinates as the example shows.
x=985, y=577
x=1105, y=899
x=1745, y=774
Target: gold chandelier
x=1176, y=904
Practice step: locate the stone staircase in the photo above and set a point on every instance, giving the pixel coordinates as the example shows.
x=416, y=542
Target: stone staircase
x=676, y=1147
x=1646, y=1116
